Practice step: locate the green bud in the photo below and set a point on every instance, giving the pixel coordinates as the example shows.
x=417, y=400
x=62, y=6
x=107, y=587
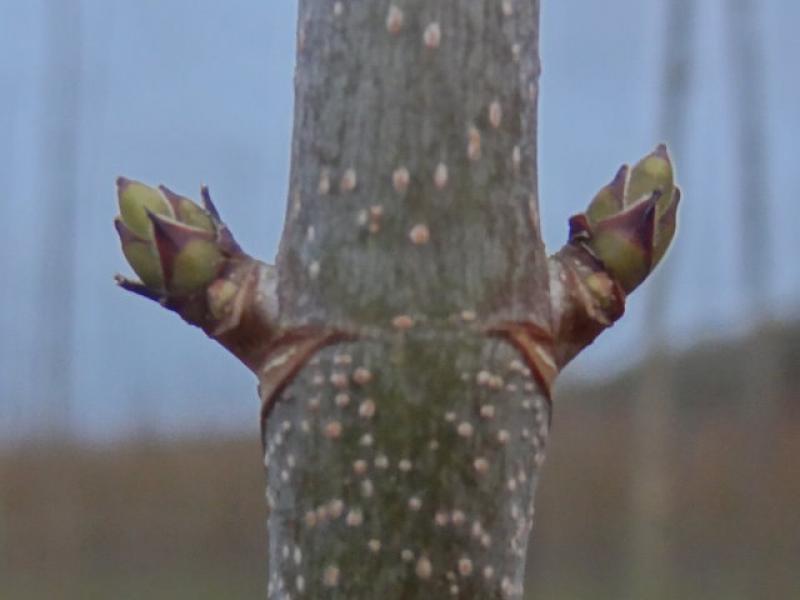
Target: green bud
x=141, y=256
x=630, y=223
x=176, y=247
x=653, y=172
x=665, y=229
x=624, y=243
x=188, y=212
x=190, y=257
x=144, y=261
x=135, y=201
x=610, y=199
x=196, y=265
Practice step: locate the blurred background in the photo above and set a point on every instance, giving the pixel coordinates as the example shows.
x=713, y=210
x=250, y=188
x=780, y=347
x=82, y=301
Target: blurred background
x=129, y=453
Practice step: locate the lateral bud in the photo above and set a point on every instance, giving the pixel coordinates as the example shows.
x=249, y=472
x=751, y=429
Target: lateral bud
x=630, y=223
x=174, y=245
x=189, y=262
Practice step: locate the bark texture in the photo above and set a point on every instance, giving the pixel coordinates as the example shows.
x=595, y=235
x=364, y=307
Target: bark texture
x=414, y=120
x=402, y=463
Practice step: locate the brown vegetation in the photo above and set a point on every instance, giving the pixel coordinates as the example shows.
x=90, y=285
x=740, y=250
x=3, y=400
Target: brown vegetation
x=173, y=519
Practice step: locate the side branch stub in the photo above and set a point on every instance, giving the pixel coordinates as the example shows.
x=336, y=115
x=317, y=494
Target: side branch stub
x=613, y=246
x=189, y=262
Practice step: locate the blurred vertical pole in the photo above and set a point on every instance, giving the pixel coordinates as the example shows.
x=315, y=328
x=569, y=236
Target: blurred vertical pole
x=654, y=407
x=9, y=401
x=760, y=372
x=747, y=70
x=54, y=329
x=60, y=126
x=9, y=397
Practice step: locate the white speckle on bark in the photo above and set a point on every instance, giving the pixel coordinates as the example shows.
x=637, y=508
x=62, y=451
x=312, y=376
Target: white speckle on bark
x=419, y=234
x=402, y=322
x=354, y=518
x=349, y=181
x=335, y=508
x=324, y=183
x=313, y=269
x=464, y=566
x=362, y=376
x=506, y=586
x=394, y=20
x=477, y=529
x=432, y=35
x=375, y=216
x=424, y=568
x=496, y=382
x=473, y=143
x=481, y=465
x=367, y=489
x=516, y=51
x=495, y=114
x=400, y=179
x=468, y=315
x=342, y=359
x=338, y=379
x=367, y=409
x=465, y=429
x=374, y=546
x=330, y=577
x=440, y=176
x=333, y=430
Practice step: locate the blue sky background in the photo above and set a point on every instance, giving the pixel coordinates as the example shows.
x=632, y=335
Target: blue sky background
x=188, y=92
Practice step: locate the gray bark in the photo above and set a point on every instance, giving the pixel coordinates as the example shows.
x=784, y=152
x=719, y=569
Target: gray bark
x=377, y=103
x=402, y=463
